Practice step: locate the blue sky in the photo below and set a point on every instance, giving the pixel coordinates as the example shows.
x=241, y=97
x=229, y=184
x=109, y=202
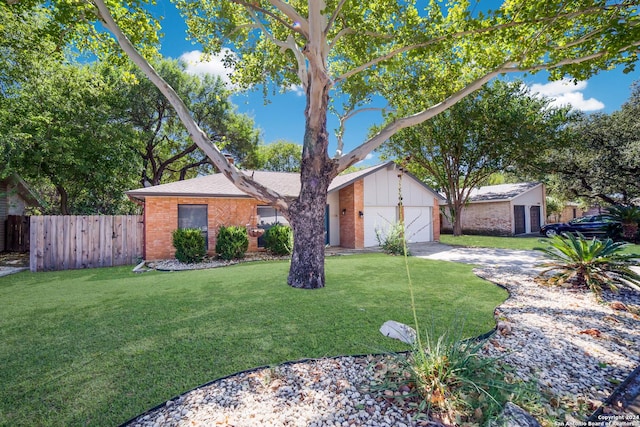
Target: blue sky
x=283, y=117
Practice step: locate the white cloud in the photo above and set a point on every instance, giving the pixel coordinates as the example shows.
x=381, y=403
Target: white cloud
x=297, y=89
x=195, y=64
x=565, y=92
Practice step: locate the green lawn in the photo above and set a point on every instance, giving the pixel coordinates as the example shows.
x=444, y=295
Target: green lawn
x=525, y=243
x=97, y=347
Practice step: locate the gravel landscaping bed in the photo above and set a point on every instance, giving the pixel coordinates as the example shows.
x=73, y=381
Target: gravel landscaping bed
x=576, y=348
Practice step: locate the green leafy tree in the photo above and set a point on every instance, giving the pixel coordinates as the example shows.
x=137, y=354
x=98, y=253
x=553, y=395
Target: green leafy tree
x=353, y=51
x=25, y=49
x=66, y=133
x=601, y=162
x=279, y=156
x=168, y=153
x=465, y=146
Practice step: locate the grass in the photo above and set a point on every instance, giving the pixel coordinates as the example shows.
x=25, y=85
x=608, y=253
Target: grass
x=522, y=243
x=472, y=241
x=97, y=347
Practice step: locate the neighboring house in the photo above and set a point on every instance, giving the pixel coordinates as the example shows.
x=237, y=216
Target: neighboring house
x=503, y=210
x=570, y=211
x=358, y=204
x=15, y=197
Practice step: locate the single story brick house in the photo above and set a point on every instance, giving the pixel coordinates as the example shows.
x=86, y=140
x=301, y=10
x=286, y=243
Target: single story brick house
x=503, y=210
x=15, y=197
x=358, y=204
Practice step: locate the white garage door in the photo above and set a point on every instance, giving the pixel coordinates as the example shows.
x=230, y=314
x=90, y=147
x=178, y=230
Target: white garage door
x=418, y=223
x=377, y=218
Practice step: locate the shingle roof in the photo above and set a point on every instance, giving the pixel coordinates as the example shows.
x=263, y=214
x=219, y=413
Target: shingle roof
x=500, y=192
x=217, y=185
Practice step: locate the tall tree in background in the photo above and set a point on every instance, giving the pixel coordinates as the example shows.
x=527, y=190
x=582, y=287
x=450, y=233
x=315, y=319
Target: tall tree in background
x=601, y=163
x=168, y=153
x=25, y=49
x=354, y=51
x=279, y=156
x=502, y=126
x=66, y=131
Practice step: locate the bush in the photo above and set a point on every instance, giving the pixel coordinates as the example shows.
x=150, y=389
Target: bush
x=232, y=242
x=629, y=217
x=279, y=240
x=448, y=380
x=394, y=241
x=588, y=263
x=190, y=245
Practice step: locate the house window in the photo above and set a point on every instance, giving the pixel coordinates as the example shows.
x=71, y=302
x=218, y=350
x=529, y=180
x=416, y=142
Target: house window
x=194, y=216
x=268, y=217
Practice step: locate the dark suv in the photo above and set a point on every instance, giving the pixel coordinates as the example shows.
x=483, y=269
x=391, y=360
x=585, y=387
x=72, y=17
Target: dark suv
x=589, y=226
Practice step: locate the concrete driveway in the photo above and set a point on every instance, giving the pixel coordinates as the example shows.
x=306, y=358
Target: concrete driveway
x=485, y=257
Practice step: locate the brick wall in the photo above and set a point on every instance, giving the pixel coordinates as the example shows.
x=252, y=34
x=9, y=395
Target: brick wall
x=161, y=219
x=351, y=224
x=493, y=218
x=435, y=217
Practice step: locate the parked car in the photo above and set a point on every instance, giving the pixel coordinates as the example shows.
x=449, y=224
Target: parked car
x=589, y=226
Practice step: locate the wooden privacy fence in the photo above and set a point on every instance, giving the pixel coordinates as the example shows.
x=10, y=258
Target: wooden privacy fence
x=17, y=236
x=71, y=242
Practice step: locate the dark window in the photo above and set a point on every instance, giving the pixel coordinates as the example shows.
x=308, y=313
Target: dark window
x=268, y=217
x=194, y=216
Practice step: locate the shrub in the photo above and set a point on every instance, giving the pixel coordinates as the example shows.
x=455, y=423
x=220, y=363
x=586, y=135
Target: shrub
x=629, y=217
x=279, y=240
x=232, y=242
x=592, y=264
x=393, y=242
x=448, y=380
x=190, y=245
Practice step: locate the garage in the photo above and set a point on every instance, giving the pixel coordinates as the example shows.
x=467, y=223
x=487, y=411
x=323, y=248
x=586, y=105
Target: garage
x=418, y=222
x=377, y=218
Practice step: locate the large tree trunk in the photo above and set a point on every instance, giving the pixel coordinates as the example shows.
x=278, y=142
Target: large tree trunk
x=457, y=219
x=307, y=219
x=306, y=213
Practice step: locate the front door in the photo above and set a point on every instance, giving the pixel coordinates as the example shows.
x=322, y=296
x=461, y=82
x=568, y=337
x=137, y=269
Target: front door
x=534, y=218
x=518, y=218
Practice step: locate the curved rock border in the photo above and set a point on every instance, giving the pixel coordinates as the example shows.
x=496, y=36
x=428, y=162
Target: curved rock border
x=575, y=348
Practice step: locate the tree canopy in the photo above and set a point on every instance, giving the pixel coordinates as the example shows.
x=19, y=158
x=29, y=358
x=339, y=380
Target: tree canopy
x=501, y=127
x=66, y=130
x=279, y=156
x=601, y=162
x=353, y=51
x=167, y=151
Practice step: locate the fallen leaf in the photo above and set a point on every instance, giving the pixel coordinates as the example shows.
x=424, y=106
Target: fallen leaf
x=617, y=305
x=611, y=319
x=593, y=332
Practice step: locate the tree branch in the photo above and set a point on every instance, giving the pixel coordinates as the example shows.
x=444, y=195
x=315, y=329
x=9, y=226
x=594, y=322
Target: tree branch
x=460, y=34
x=334, y=16
x=360, y=152
x=240, y=180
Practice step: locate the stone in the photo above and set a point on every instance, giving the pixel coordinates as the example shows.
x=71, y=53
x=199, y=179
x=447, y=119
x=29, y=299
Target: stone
x=514, y=416
x=399, y=331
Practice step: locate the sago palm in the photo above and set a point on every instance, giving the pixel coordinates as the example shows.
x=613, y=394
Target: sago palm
x=588, y=263
x=629, y=217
